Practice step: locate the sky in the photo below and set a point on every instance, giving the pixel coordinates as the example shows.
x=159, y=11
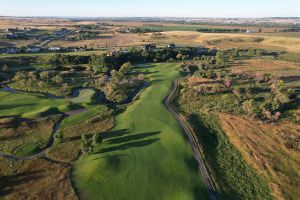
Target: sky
x=151, y=8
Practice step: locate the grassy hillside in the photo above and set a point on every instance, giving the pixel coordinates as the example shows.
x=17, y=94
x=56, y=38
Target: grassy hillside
x=146, y=155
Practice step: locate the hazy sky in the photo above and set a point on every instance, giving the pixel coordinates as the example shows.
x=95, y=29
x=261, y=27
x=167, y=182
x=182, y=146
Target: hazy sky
x=171, y=8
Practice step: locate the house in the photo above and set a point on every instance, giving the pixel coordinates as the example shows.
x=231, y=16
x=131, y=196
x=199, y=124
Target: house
x=112, y=52
x=9, y=36
x=62, y=32
x=10, y=50
x=251, y=31
x=171, y=46
x=33, y=49
x=80, y=49
x=9, y=30
x=15, y=36
x=54, y=48
x=149, y=47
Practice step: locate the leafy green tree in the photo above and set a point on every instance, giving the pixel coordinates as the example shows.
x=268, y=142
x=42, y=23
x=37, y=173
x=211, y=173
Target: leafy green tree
x=126, y=68
x=58, y=79
x=5, y=68
x=96, y=139
x=45, y=75
x=59, y=137
x=250, y=108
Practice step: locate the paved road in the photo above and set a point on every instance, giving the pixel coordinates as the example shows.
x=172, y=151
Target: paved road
x=192, y=140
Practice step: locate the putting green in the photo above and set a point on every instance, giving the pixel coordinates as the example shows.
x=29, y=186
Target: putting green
x=146, y=155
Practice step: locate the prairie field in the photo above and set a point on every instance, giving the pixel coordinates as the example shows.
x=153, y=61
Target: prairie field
x=256, y=142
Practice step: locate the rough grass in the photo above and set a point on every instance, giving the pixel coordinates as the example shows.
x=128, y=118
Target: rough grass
x=96, y=120
x=268, y=149
x=289, y=71
x=146, y=155
x=15, y=133
x=35, y=179
x=235, y=179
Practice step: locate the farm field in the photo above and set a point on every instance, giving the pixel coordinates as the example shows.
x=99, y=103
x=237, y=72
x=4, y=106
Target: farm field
x=146, y=148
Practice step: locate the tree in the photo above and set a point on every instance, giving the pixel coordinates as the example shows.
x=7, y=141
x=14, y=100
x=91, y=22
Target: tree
x=237, y=91
x=179, y=56
x=59, y=137
x=20, y=76
x=45, y=75
x=85, y=144
x=227, y=81
x=96, y=139
x=58, y=79
x=250, y=108
x=125, y=68
x=219, y=75
x=100, y=82
x=281, y=92
x=5, y=68
x=141, y=77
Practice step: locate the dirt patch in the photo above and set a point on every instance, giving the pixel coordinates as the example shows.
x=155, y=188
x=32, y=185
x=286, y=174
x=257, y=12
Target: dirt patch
x=264, y=146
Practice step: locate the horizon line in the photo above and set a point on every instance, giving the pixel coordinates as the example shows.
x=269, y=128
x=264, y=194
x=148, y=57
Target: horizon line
x=112, y=17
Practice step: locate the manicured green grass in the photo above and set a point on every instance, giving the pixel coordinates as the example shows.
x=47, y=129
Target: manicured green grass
x=33, y=105
x=146, y=155
x=85, y=96
x=29, y=105
x=82, y=117
x=27, y=149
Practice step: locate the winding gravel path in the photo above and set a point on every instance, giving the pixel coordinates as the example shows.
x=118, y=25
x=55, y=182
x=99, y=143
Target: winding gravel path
x=192, y=140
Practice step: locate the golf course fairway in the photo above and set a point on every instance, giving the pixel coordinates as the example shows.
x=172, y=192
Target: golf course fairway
x=146, y=155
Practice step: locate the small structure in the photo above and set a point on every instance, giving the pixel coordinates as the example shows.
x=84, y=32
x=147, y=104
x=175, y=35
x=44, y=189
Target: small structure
x=33, y=49
x=149, y=47
x=251, y=31
x=15, y=36
x=54, y=48
x=171, y=46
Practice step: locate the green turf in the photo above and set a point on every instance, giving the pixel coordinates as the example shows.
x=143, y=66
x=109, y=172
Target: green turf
x=146, y=155
x=34, y=105
x=27, y=149
x=79, y=118
x=85, y=96
x=28, y=105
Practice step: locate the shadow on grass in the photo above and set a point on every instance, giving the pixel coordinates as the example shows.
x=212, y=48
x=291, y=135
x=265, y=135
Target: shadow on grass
x=8, y=182
x=119, y=140
x=129, y=145
x=131, y=137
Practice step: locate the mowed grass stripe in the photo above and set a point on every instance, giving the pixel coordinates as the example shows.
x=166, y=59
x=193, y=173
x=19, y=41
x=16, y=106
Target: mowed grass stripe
x=146, y=155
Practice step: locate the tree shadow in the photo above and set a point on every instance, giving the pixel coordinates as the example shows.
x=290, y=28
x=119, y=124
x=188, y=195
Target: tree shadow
x=131, y=137
x=8, y=182
x=129, y=145
x=117, y=133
